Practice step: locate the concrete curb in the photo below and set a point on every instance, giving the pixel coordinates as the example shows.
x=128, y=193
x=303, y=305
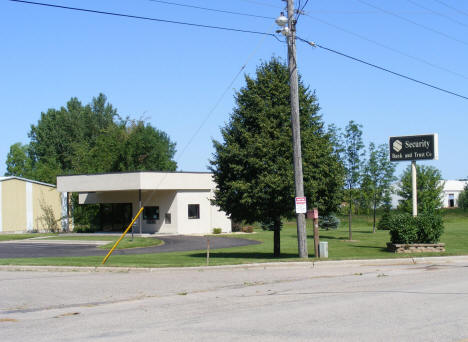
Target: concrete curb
x=305, y=264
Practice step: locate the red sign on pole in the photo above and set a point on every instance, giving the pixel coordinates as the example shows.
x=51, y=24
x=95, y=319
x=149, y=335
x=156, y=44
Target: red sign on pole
x=315, y=213
x=301, y=205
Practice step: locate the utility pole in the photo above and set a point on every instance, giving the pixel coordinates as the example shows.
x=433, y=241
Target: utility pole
x=290, y=33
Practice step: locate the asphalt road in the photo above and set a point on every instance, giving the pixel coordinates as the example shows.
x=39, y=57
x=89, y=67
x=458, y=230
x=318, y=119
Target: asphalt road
x=325, y=301
x=171, y=244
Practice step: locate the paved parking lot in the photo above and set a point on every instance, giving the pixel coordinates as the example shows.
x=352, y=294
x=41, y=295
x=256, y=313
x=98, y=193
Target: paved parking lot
x=176, y=243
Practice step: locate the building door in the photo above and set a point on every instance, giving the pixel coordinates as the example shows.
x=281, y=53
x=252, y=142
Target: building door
x=451, y=200
x=115, y=217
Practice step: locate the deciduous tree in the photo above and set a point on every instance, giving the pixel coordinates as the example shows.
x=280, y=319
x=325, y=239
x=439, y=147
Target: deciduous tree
x=92, y=138
x=18, y=162
x=378, y=175
x=429, y=186
x=353, y=160
x=89, y=138
x=463, y=198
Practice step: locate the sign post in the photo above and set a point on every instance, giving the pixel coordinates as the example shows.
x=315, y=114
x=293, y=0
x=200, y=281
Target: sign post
x=414, y=186
x=313, y=215
x=414, y=147
x=316, y=233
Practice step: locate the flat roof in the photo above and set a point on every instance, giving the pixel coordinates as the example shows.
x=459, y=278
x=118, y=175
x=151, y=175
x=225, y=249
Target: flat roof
x=144, y=180
x=5, y=178
x=129, y=172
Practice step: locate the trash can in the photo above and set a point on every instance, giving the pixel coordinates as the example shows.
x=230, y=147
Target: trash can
x=323, y=249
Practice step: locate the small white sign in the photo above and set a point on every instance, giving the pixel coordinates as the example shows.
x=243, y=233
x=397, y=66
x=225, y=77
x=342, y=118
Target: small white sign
x=301, y=205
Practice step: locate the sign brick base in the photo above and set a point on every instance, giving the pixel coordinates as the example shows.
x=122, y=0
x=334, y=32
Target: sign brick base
x=416, y=247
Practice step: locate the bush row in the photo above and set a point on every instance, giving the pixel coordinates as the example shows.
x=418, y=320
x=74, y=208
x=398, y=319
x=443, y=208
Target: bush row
x=405, y=229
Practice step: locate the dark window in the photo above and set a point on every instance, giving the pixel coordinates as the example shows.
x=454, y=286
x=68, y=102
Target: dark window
x=151, y=213
x=114, y=217
x=167, y=216
x=194, y=211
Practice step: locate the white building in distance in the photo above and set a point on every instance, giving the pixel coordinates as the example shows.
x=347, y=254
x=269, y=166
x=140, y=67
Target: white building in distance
x=174, y=202
x=451, y=191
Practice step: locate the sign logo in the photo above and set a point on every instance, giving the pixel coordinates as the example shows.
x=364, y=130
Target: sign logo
x=397, y=146
x=414, y=147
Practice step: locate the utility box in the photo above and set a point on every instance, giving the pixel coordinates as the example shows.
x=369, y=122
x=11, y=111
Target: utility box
x=323, y=249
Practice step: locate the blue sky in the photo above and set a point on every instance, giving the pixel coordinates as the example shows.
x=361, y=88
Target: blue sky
x=174, y=75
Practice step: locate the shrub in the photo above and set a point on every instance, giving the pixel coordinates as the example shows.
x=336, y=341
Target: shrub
x=406, y=229
x=47, y=221
x=217, y=230
x=403, y=229
x=430, y=228
x=236, y=226
x=247, y=229
x=330, y=221
x=267, y=225
x=384, y=222
x=83, y=229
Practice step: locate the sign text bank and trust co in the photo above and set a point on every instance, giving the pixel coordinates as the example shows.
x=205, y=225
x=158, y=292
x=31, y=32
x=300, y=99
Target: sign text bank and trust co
x=414, y=147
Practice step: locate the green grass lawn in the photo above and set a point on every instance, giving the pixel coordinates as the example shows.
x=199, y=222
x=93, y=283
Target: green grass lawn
x=7, y=237
x=365, y=245
x=126, y=242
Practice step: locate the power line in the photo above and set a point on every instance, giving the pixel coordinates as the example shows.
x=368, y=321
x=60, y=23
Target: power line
x=437, y=13
x=212, y=9
x=364, y=12
x=266, y=17
x=452, y=8
x=145, y=18
x=217, y=103
x=249, y=58
x=261, y=3
x=235, y=30
x=414, y=22
x=301, y=10
x=382, y=68
x=418, y=59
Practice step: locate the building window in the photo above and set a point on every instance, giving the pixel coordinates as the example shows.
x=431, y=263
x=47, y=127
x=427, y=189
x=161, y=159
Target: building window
x=167, y=218
x=194, y=211
x=151, y=213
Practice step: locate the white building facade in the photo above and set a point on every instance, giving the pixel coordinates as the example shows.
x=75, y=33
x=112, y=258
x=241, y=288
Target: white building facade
x=450, y=193
x=174, y=202
x=452, y=189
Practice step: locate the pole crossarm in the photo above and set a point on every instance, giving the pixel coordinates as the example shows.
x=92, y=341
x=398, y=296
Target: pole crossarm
x=123, y=235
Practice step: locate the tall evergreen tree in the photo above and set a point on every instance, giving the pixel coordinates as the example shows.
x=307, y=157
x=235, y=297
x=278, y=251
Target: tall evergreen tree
x=253, y=165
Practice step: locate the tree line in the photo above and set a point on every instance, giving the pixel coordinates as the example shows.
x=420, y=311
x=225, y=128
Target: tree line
x=92, y=138
x=87, y=139
x=252, y=164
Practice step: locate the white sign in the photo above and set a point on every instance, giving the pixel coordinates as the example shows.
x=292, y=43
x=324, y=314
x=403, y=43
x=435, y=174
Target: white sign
x=301, y=205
